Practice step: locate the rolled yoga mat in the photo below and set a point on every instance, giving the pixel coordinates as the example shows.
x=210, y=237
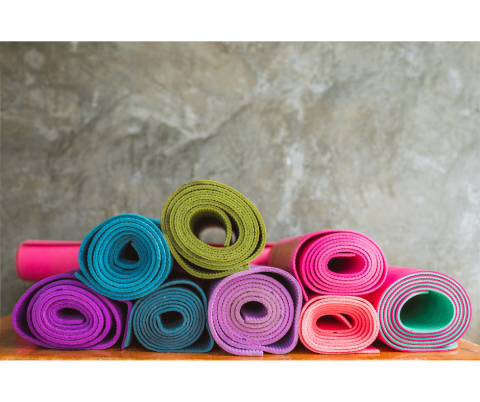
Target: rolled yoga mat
x=60, y=312
x=124, y=258
x=255, y=311
x=340, y=262
x=38, y=259
x=339, y=325
x=172, y=319
x=421, y=311
x=201, y=204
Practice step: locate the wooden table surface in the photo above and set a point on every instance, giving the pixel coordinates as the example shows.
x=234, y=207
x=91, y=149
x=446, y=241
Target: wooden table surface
x=14, y=347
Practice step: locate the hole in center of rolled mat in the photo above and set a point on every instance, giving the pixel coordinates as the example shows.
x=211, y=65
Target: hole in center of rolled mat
x=427, y=312
x=129, y=253
x=253, y=310
x=70, y=314
x=215, y=236
x=334, y=323
x=346, y=265
x=172, y=320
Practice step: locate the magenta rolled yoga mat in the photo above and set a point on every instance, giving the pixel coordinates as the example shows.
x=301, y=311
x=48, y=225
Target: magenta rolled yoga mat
x=255, y=311
x=60, y=312
x=39, y=259
x=340, y=262
x=339, y=325
x=421, y=311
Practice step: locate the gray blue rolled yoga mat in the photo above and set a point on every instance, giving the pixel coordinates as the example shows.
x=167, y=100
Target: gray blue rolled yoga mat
x=125, y=258
x=171, y=319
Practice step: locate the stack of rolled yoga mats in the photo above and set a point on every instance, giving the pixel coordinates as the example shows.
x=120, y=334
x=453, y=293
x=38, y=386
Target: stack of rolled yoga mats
x=156, y=281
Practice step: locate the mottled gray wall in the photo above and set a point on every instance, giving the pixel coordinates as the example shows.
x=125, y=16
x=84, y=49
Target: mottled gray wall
x=380, y=138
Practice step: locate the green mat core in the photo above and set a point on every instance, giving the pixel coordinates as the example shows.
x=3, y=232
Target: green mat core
x=427, y=312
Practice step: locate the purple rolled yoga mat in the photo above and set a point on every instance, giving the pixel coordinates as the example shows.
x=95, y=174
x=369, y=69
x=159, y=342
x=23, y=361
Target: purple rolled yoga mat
x=255, y=311
x=60, y=312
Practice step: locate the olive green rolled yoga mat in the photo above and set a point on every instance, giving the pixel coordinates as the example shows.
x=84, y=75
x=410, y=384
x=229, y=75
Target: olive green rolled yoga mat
x=201, y=204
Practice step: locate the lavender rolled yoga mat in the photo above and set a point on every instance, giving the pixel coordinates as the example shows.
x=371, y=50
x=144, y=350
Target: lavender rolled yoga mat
x=332, y=262
x=255, y=311
x=60, y=312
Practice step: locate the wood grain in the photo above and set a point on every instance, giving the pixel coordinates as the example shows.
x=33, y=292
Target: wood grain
x=14, y=347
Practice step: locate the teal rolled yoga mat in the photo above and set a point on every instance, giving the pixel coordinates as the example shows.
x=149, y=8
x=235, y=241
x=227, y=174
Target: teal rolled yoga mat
x=171, y=319
x=125, y=258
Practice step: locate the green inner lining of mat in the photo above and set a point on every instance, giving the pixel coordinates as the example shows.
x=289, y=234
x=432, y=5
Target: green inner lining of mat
x=427, y=312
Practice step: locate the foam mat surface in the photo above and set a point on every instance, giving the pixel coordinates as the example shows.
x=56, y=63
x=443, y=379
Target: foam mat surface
x=125, y=258
x=201, y=204
x=255, y=311
x=60, y=312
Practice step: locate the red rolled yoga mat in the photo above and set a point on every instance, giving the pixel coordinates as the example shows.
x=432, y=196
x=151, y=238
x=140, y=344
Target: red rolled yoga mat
x=40, y=259
x=339, y=262
x=421, y=311
x=339, y=325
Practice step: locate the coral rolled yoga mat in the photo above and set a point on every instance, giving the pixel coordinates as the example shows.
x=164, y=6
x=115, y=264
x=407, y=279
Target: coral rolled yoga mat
x=255, y=311
x=340, y=262
x=339, y=325
x=172, y=319
x=201, y=204
x=125, y=258
x=421, y=311
x=60, y=312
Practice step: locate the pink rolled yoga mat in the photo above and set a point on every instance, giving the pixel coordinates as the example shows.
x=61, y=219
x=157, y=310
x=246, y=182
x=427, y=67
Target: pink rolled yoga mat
x=39, y=259
x=421, y=311
x=339, y=325
x=339, y=262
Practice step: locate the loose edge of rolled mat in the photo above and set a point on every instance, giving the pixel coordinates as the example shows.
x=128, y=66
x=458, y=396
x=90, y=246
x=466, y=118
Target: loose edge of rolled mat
x=91, y=272
x=204, y=343
x=285, y=253
x=338, y=309
x=120, y=310
x=288, y=282
x=401, y=287
x=191, y=253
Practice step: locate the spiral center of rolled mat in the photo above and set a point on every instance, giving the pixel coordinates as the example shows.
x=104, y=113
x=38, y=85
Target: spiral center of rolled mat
x=428, y=311
x=68, y=315
x=129, y=253
x=348, y=263
x=253, y=311
x=171, y=320
x=334, y=322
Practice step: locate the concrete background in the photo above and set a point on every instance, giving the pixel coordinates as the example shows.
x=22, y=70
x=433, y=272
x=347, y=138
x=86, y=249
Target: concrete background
x=380, y=138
